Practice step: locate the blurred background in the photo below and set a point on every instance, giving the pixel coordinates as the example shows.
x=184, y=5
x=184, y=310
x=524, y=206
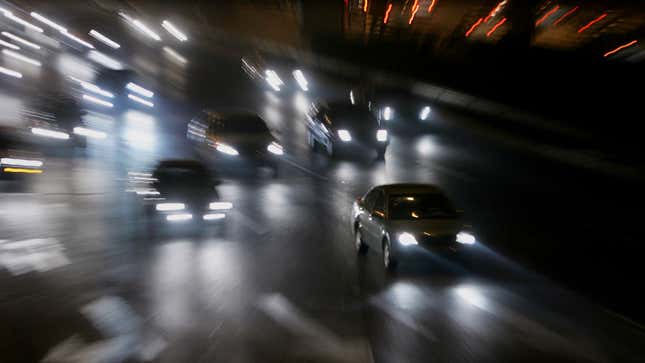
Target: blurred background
x=524, y=112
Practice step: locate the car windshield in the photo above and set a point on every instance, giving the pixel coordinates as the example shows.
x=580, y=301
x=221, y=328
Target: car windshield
x=180, y=177
x=420, y=206
x=240, y=125
x=357, y=116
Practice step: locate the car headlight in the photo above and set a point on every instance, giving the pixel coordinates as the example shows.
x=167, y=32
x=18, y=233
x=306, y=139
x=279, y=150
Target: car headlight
x=275, y=148
x=226, y=149
x=381, y=135
x=89, y=133
x=164, y=207
x=179, y=217
x=465, y=238
x=220, y=206
x=407, y=239
x=344, y=135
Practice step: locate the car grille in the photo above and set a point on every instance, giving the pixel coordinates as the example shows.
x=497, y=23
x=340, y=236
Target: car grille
x=439, y=240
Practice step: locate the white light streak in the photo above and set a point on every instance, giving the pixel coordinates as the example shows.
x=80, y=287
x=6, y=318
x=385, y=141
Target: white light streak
x=144, y=29
x=20, y=40
x=175, y=55
x=140, y=90
x=103, y=39
x=98, y=101
x=179, y=217
x=214, y=216
x=140, y=100
x=9, y=15
x=10, y=72
x=21, y=162
x=21, y=57
x=49, y=133
x=425, y=112
x=104, y=60
x=174, y=31
x=89, y=133
x=9, y=45
x=300, y=78
x=273, y=80
x=44, y=20
x=164, y=207
x=220, y=205
x=77, y=39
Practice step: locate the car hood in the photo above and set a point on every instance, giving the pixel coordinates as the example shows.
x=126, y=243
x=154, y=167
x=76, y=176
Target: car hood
x=428, y=227
x=246, y=140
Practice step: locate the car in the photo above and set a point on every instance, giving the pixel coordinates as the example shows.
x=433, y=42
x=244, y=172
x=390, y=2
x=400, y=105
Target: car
x=180, y=190
x=342, y=126
x=236, y=140
x=402, y=219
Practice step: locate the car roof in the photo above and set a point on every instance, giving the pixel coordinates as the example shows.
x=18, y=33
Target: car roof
x=402, y=188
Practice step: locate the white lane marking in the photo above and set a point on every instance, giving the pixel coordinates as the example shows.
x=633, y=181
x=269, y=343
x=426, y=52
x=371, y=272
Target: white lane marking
x=404, y=319
x=124, y=329
x=37, y=254
x=321, y=341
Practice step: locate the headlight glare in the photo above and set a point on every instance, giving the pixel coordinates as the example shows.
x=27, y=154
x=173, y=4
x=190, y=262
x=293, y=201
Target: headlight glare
x=407, y=239
x=226, y=149
x=344, y=135
x=220, y=206
x=381, y=135
x=275, y=148
x=465, y=238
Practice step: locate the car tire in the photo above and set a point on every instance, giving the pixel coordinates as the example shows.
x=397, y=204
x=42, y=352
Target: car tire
x=389, y=262
x=361, y=247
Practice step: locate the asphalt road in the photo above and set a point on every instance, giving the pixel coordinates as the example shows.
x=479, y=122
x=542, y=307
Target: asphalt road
x=82, y=279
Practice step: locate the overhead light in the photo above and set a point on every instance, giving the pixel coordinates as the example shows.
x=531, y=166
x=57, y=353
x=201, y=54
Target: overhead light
x=77, y=40
x=220, y=206
x=175, y=55
x=145, y=30
x=179, y=217
x=140, y=100
x=20, y=40
x=98, y=101
x=21, y=57
x=21, y=162
x=104, y=60
x=140, y=90
x=165, y=207
x=344, y=135
x=9, y=15
x=44, y=20
x=103, y=39
x=275, y=148
x=89, y=133
x=49, y=133
x=10, y=72
x=425, y=112
x=351, y=97
x=174, y=31
x=300, y=78
x=223, y=148
x=9, y=45
x=381, y=135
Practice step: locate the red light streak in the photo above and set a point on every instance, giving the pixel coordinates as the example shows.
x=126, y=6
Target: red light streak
x=431, y=6
x=496, y=26
x=546, y=16
x=619, y=48
x=387, y=14
x=472, y=28
x=592, y=23
x=415, y=8
x=566, y=14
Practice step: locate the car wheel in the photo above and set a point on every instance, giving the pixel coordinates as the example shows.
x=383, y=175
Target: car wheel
x=361, y=247
x=388, y=260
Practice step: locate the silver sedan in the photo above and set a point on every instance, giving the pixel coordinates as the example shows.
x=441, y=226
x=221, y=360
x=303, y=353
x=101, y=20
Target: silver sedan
x=401, y=219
